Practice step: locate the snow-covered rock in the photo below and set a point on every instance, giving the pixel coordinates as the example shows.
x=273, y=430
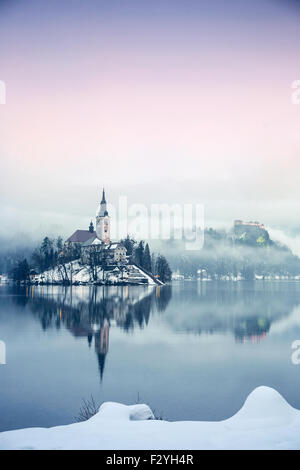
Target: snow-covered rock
x=266, y=421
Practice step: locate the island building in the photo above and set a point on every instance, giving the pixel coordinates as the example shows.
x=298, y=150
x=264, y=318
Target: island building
x=96, y=246
x=94, y=249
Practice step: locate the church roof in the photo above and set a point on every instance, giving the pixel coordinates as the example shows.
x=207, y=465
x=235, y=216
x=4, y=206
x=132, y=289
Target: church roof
x=81, y=236
x=114, y=245
x=93, y=240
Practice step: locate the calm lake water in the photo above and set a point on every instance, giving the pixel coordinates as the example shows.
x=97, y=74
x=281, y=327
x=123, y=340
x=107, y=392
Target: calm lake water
x=193, y=351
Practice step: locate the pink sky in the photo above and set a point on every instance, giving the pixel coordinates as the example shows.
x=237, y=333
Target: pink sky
x=164, y=103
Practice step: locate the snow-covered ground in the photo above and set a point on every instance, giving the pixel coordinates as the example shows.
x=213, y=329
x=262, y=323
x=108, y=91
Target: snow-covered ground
x=75, y=272
x=266, y=421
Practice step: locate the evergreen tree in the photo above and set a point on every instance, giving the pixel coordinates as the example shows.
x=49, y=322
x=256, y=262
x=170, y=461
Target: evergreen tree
x=91, y=227
x=139, y=253
x=162, y=269
x=147, y=258
x=46, y=246
x=38, y=259
x=21, y=271
x=59, y=244
x=153, y=263
x=129, y=244
x=47, y=252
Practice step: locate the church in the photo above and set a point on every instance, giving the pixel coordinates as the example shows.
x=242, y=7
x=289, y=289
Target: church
x=96, y=247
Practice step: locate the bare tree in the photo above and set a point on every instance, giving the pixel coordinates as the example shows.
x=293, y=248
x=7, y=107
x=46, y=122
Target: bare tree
x=88, y=409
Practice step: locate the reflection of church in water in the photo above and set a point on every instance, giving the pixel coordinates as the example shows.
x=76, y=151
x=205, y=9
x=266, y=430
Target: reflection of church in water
x=101, y=346
x=100, y=336
x=91, y=313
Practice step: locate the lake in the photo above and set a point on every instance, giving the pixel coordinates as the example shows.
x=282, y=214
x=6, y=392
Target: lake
x=192, y=351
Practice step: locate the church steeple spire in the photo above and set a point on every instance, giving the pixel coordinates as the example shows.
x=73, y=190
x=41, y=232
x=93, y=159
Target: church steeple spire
x=103, y=197
x=103, y=221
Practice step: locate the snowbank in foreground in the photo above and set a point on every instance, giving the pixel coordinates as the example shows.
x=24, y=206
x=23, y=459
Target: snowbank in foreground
x=266, y=421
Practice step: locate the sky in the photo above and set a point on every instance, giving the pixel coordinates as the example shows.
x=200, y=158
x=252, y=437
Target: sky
x=165, y=101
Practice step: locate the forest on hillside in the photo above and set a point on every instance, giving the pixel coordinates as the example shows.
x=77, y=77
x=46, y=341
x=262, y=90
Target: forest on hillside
x=232, y=253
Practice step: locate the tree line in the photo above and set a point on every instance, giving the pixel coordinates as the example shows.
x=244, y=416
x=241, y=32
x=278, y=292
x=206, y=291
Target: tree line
x=52, y=253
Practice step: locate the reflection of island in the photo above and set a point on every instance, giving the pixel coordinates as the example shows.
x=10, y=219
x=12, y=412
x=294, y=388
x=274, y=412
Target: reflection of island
x=247, y=311
x=90, y=312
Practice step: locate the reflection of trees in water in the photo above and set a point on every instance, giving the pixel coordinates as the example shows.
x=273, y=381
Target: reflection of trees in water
x=254, y=328
x=127, y=312
x=245, y=309
x=162, y=297
x=90, y=312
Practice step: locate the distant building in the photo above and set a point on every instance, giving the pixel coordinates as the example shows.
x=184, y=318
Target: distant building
x=251, y=233
x=248, y=224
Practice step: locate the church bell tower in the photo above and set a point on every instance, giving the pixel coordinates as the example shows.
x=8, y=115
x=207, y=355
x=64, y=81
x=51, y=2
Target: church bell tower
x=103, y=221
